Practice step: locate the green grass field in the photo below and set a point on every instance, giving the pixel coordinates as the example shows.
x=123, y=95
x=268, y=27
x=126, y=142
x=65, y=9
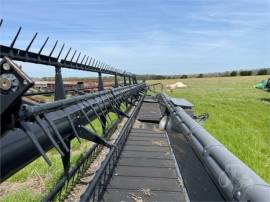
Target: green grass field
x=239, y=115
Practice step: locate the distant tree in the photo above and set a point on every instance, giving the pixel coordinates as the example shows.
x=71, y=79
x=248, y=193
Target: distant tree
x=200, y=76
x=184, y=76
x=158, y=77
x=224, y=74
x=233, y=73
x=47, y=78
x=262, y=72
x=245, y=73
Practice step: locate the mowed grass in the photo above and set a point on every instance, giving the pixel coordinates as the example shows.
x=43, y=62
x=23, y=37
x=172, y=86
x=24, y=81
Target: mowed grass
x=239, y=115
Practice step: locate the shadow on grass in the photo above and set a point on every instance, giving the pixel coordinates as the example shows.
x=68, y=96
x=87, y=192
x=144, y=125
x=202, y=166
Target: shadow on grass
x=265, y=99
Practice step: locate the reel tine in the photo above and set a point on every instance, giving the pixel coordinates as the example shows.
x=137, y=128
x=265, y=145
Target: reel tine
x=31, y=42
x=15, y=38
x=42, y=47
x=53, y=48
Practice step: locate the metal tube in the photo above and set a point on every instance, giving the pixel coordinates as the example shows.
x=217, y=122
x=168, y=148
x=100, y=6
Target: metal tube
x=235, y=180
x=17, y=150
x=28, y=111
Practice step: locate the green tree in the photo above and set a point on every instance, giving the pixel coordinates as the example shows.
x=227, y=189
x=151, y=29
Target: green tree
x=262, y=72
x=233, y=73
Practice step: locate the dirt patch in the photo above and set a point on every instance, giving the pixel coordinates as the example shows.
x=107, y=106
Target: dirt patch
x=176, y=85
x=135, y=197
x=137, y=124
x=147, y=192
x=34, y=183
x=141, y=194
x=159, y=143
x=88, y=175
x=181, y=183
x=156, y=129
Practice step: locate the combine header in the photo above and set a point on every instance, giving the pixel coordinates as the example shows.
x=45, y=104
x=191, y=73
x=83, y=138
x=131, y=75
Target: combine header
x=154, y=150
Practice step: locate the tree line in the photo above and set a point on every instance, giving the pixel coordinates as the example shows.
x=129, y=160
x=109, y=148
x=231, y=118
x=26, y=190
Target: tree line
x=264, y=71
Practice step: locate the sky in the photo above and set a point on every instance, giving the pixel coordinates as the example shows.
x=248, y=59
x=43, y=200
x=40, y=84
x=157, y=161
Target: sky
x=146, y=36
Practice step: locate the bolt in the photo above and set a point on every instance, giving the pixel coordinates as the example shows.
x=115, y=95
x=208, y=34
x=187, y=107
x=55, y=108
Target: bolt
x=204, y=152
x=6, y=66
x=238, y=194
x=5, y=84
